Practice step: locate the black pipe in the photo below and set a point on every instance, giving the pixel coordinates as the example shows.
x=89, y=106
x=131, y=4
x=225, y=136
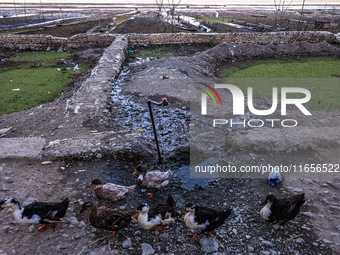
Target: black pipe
x=164, y=102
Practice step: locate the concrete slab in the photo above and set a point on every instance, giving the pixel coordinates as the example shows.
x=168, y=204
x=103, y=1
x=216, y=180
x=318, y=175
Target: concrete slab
x=22, y=148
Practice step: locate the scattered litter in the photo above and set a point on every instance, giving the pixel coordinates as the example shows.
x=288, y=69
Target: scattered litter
x=140, y=130
x=165, y=77
x=54, y=109
x=15, y=89
x=274, y=176
x=82, y=170
x=46, y=163
x=62, y=168
x=4, y=130
x=59, y=69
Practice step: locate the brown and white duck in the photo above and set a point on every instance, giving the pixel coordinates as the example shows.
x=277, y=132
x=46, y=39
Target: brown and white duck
x=283, y=209
x=108, y=219
x=48, y=213
x=204, y=218
x=152, y=179
x=113, y=192
x=157, y=216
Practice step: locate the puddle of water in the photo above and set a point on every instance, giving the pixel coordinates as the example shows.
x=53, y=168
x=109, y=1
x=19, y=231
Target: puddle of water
x=171, y=123
x=182, y=177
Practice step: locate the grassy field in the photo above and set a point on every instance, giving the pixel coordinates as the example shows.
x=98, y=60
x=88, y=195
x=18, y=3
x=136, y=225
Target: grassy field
x=216, y=20
x=23, y=87
x=318, y=75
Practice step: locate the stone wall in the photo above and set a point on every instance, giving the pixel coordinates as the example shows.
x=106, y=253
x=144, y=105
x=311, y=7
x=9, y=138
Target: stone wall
x=48, y=42
x=85, y=41
x=313, y=37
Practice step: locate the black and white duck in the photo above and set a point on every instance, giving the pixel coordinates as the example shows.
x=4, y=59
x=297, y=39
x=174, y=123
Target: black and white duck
x=152, y=179
x=108, y=219
x=47, y=213
x=204, y=218
x=283, y=209
x=157, y=216
x=109, y=191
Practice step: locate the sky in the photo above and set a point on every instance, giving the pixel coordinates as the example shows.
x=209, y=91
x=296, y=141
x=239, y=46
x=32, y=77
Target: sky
x=219, y=2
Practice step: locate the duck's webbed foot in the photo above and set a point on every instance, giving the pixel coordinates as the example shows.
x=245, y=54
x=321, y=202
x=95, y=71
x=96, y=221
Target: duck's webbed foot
x=193, y=235
x=53, y=226
x=150, y=195
x=160, y=228
x=113, y=234
x=105, y=207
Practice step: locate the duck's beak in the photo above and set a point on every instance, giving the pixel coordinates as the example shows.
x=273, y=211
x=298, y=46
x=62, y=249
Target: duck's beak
x=135, y=172
x=183, y=212
x=1, y=209
x=91, y=187
x=135, y=216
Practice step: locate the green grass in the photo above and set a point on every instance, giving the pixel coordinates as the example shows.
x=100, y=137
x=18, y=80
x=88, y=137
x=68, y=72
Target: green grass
x=216, y=20
x=38, y=55
x=23, y=87
x=314, y=74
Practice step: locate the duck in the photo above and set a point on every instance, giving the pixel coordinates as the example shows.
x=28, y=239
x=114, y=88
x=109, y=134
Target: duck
x=157, y=216
x=152, y=179
x=113, y=192
x=47, y=213
x=284, y=209
x=108, y=219
x=204, y=218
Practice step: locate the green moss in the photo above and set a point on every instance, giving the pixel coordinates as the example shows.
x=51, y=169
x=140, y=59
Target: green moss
x=216, y=20
x=23, y=87
x=315, y=74
x=38, y=55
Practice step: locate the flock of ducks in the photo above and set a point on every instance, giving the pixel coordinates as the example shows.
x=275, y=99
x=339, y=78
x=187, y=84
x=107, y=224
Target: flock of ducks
x=155, y=217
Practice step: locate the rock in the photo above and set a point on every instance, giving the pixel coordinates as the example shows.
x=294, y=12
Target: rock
x=265, y=252
x=267, y=243
x=248, y=236
x=250, y=248
x=338, y=227
x=299, y=240
x=297, y=189
x=308, y=214
x=147, y=249
x=209, y=244
x=127, y=243
x=326, y=241
x=307, y=181
x=315, y=244
x=73, y=220
x=31, y=229
x=29, y=201
x=137, y=233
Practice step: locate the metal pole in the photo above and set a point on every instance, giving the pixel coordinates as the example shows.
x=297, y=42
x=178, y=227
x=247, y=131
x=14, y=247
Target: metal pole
x=163, y=102
x=154, y=131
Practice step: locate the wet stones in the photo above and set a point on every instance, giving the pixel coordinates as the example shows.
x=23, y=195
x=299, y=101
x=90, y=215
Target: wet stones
x=127, y=243
x=209, y=245
x=147, y=249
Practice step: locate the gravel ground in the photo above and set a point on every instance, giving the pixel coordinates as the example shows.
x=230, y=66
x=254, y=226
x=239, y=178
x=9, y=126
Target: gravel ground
x=314, y=231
